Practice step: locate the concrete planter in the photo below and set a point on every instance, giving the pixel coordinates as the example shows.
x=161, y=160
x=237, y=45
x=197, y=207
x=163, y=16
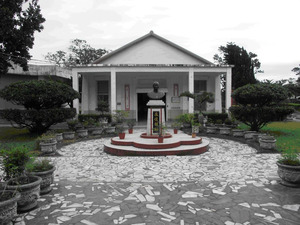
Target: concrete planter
x=224, y=130
x=248, y=135
x=211, y=130
x=267, y=142
x=59, y=137
x=70, y=135
x=8, y=207
x=96, y=131
x=110, y=130
x=238, y=133
x=47, y=179
x=290, y=175
x=29, y=191
x=48, y=146
x=82, y=133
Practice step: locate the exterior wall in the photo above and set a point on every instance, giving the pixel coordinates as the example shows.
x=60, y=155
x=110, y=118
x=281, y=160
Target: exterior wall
x=151, y=51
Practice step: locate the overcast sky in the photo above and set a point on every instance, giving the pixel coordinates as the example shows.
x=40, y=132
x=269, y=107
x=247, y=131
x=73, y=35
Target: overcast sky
x=269, y=28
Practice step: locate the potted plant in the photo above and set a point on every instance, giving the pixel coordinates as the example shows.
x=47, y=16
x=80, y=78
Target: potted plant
x=130, y=124
x=176, y=126
x=14, y=161
x=120, y=131
x=47, y=143
x=43, y=169
x=72, y=124
x=289, y=167
x=195, y=129
x=8, y=205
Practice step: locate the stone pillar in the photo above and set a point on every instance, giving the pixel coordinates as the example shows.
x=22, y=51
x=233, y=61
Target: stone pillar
x=155, y=117
x=113, y=90
x=84, y=95
x=218, y=99
x=191, y=90
x=228, y=89
x=75, y=86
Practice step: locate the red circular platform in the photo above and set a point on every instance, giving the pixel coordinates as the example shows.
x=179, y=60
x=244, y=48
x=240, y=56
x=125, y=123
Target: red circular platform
x=136, y=145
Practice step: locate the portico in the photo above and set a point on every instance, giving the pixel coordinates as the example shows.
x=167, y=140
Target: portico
x=123, y=77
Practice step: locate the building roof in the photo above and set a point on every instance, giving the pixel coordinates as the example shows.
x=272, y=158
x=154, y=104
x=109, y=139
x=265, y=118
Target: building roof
x=151, y=34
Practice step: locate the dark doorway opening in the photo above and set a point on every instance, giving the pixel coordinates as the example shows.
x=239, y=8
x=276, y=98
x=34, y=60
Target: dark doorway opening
x=142, y=106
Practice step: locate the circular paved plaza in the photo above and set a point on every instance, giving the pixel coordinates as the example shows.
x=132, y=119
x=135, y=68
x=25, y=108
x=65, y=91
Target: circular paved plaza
x=229, y=184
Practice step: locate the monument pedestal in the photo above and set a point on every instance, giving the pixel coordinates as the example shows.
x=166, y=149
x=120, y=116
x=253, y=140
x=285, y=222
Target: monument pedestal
x=155, y=117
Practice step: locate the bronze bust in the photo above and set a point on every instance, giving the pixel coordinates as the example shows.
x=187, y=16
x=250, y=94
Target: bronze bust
x=155, y=94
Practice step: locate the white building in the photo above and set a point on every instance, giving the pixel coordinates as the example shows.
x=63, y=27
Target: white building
x=125, y=76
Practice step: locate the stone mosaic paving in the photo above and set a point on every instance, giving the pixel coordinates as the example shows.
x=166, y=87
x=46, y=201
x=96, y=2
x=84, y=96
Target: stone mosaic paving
x=229, y=184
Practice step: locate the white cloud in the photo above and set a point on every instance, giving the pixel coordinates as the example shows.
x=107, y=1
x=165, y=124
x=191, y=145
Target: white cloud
x=267, y=28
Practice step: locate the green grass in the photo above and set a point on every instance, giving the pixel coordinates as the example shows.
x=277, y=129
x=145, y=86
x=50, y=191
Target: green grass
x=286, y=133
x=10, y=137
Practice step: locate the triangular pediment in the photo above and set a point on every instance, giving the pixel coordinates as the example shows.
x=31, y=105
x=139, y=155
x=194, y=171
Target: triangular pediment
x=152, y=49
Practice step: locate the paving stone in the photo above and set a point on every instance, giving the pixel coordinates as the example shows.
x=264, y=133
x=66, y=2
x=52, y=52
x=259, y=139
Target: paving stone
x=229, y=183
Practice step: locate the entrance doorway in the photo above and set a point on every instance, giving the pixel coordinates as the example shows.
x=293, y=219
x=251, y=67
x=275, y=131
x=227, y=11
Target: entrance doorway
x=143, y=99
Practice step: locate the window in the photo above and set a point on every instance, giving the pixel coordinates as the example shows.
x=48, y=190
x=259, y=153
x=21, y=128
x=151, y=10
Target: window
x=199, y=85
x=103, y=90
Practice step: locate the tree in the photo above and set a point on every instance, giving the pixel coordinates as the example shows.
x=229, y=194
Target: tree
x=42, y=100
x=297, y=71
x=17, y=29
x=259, y=104
x=246, y=65
x=80, y=53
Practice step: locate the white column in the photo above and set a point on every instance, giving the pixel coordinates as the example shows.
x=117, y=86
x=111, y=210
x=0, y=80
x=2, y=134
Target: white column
x=228, y=89
x=113, y=90
x=84, y=95
x=218, y=100
x=76, y=88
x=191, y=89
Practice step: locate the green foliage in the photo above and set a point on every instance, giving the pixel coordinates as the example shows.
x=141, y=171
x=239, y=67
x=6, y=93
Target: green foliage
x=199, y=98
x=14, y=161
x=37, y=121
x=42, y=99
x=73, y=124
x=214, y=117
x=80, y=53
x=259, y=104
x=120, y=128
x=246, y=65
x=261, y=94
x=289, y=156
x=131, y=123
x=39, y=94
x=19, y=22
x=119, y=116
x=103, y=107
x=186, y=118
x=95, y=117
x=39, y=166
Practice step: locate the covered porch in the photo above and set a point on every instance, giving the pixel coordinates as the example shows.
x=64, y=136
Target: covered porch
x=125, y=87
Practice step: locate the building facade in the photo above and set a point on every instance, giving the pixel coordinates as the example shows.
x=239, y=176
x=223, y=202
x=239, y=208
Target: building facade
x=125, y=76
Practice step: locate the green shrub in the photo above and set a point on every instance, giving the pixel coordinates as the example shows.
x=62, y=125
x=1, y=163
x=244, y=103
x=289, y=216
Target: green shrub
x=14, y=161
x=37, y=121
x=39, y=166
x=213, y=117
x=42, y=99
x=186, y=118
x=96, y=117
x=259, y=104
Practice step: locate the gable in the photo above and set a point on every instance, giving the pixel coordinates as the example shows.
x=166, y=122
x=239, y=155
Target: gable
x=151, y=49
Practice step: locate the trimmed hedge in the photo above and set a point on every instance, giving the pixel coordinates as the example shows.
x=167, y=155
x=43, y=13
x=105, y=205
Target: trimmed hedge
x=37, y=121
x=214, y=117
x=97, y=117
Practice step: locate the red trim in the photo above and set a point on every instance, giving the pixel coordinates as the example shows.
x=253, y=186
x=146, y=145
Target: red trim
x=150, y=121
x=144, y=135
x=119, y=152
